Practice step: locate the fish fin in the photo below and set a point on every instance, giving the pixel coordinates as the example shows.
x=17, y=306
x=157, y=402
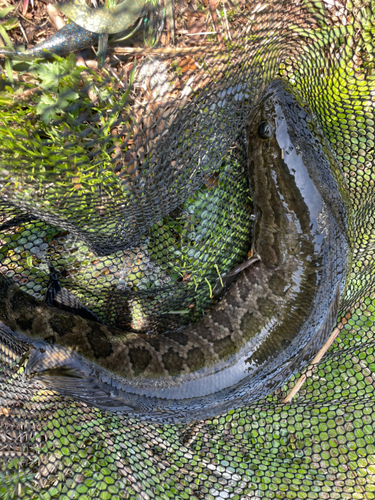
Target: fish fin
x=66, y=301
x=59, y=297
x=89, y=390
x=61, y=370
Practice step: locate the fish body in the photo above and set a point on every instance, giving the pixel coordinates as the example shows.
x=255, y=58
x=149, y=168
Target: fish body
x=271, y=321
x=68, y=39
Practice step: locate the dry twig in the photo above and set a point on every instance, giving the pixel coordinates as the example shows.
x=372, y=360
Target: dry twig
x=226, y=23
x=128, y=51
x=23, y=32
x=314, y=362
x=216, y=26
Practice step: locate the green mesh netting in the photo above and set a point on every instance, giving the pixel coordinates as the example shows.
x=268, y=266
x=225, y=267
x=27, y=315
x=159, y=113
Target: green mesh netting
x=127, y=186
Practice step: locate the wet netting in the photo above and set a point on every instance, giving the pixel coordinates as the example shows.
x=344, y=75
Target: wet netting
x=131, y=204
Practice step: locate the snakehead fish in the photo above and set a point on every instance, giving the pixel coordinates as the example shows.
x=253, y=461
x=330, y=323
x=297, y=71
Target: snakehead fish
x=271, y=322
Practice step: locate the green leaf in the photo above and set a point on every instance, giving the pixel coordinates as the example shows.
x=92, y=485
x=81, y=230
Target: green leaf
x=5, y=36
x=10, y=23
x=5, y=11
x=56, y=73
x=47, y=108
x=9, y=69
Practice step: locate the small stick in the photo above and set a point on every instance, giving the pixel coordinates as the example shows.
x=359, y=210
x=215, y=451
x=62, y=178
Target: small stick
x=170, y=18
x=226, y=23
x=25, y=19
x=23, y=33
x=216, y=27
x=166, y=50
x=201, y=33
x=114, y=74
x=314, y=362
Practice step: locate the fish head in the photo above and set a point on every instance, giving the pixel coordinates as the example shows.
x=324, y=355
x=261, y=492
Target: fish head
x=290, y=176
x=265, y=158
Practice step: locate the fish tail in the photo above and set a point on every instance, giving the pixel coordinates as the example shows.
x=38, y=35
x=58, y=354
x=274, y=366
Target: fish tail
x=61, y=370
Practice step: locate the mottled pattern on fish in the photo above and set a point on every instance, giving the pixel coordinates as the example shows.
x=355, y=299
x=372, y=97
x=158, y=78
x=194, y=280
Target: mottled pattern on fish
x=272, y=321
x=65, y=41
x=112, y=20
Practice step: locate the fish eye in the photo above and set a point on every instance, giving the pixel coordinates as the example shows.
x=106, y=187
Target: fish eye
x=265, y=130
